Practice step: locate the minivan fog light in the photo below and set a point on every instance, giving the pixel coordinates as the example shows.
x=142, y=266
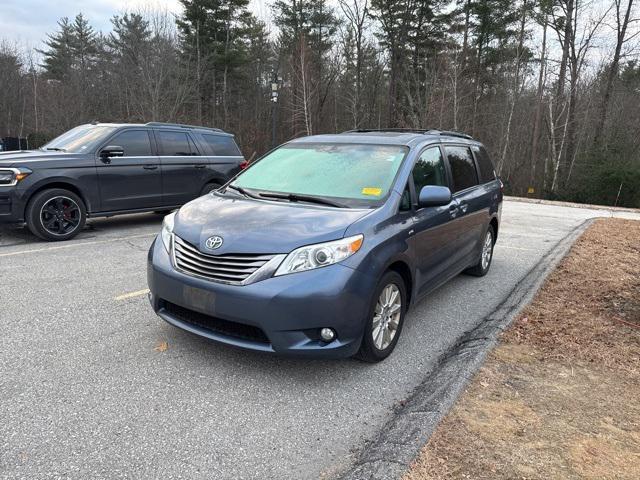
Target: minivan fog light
x=320, y=255
x=327, y=334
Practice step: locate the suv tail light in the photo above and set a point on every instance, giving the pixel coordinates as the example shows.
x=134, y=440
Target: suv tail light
x=244, y=164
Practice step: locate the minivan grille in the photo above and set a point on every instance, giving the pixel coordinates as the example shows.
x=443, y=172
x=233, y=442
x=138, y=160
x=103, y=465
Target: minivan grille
x=230, y=268
x=217, y=325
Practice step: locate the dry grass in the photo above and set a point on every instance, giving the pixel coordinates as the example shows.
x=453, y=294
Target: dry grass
x=560, y=396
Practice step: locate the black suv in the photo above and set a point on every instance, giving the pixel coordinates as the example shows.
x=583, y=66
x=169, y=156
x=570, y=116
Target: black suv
x=103, y=169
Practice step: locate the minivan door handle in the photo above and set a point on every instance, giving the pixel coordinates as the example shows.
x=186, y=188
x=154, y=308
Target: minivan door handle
x=150, y=167
x=453, y=209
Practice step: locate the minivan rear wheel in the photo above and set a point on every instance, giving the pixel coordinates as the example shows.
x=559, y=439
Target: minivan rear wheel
x=481, y=268
x=385, y=320
x=56, y=214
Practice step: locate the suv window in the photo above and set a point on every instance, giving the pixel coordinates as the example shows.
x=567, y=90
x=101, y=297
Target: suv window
x=175, y=144
x=221, y=145
x=463, y=168
x=429, y=170
x=487, y=172
x=135, y=143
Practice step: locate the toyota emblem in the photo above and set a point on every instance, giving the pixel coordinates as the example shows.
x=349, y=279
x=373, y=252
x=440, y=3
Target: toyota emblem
x=214, y=242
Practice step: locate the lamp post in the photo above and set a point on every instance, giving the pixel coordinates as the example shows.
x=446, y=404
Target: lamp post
x=275, y=86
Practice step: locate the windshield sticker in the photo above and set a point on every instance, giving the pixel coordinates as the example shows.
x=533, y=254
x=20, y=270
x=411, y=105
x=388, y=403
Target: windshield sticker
x=372, y=191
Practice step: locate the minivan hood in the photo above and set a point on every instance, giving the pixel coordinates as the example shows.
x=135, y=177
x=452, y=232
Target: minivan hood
x=257, y=226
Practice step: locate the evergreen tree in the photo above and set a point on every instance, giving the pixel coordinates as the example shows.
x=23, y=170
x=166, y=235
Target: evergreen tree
x=58, y=57
x=212, y=36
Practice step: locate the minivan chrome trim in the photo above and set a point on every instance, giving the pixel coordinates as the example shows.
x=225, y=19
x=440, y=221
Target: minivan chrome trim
x=229, y=269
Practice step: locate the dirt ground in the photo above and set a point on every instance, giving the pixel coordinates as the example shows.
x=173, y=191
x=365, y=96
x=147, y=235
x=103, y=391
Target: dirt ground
x=560, y=396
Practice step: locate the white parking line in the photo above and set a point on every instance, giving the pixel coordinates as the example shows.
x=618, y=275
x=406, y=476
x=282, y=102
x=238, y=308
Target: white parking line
x=77, y=244
x=516, y=248
x=139, y=293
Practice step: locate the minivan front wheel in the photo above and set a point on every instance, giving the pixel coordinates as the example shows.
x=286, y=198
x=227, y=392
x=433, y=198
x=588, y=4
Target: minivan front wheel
x=385, y=320
x=56, y=214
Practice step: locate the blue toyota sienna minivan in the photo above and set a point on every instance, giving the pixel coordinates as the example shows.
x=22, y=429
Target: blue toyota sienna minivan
x=320, y=247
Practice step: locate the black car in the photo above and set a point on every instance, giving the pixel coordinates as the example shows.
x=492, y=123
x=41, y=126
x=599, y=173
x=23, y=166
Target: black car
x=105, y=169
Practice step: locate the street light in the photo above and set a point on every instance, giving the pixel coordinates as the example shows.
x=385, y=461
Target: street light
x=275, y=86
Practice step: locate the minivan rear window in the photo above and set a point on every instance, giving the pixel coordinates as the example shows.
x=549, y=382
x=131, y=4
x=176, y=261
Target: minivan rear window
x=463, y=168
x=486, y=173
x=358, y=172
x=221, y=145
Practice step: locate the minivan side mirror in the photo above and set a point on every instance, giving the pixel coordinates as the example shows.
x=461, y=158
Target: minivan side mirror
x=434, y=196
x=112, y=151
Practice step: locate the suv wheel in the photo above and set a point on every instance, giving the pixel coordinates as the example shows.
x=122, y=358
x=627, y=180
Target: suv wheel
x=56, y=214
x=210, y=187
x=385, y=320
x=481, y=268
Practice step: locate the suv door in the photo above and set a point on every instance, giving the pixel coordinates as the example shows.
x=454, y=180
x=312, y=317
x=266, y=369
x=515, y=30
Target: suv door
x=132, y=181
x=472, y=211
x=435, y=232
x=183, y=168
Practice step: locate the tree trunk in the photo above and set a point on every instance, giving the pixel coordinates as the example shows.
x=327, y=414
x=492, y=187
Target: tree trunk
x=537, y=118
x=612, y=71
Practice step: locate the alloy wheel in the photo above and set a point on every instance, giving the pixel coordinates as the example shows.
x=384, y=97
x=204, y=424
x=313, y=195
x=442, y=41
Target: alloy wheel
x=60, y=216
x=386, y=318
x=487, y=250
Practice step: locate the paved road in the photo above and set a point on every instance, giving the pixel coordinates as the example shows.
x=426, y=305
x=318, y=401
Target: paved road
x=85, y=392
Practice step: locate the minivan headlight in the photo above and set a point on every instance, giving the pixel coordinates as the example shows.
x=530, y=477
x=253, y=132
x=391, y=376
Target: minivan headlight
x=167, y=230
x=320, y=255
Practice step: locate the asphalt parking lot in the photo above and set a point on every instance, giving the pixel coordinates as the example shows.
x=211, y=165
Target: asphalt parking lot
x=88, y=389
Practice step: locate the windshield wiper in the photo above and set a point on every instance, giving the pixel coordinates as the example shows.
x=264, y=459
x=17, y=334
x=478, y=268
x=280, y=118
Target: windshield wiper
x=296, y=197
x=55, y=149
x=241, y=191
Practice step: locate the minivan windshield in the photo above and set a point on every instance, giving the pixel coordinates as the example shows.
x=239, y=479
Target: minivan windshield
x=355, y=175
x=80, y=139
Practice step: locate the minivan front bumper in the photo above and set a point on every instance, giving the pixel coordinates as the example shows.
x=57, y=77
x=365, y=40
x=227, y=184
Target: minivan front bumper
x=281, y=314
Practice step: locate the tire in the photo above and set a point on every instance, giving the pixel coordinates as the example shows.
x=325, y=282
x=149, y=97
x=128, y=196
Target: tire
x=210, y=187
x=481, y=268
x=56, y=214
x=374, y=346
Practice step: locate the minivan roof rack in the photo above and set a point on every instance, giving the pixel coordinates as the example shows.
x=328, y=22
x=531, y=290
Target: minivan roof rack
x=427, y=131
x=449, y=133
x=181, y=125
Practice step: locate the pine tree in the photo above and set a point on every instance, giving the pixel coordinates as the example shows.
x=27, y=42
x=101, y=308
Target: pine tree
x=58, y=58
x=212, y=33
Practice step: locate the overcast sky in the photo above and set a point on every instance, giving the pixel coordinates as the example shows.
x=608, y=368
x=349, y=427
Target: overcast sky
x=27, y=22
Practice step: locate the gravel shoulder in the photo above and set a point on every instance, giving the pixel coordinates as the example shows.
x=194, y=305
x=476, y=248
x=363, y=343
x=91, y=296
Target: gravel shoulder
x=557, y=398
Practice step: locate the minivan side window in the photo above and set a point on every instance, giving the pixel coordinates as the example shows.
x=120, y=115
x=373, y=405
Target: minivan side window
x=174, y=144
x=221, y=145
x=463, y=168
x=135, y=143
x=487, y=172
x=405, y=201
x=429, y=170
